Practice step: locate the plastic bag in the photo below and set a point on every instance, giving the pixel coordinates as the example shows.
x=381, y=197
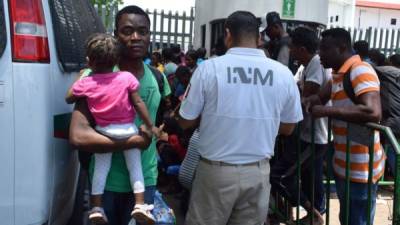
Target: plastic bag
x=163, y=214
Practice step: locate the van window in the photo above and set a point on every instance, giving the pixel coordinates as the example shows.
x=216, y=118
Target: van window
x=73, y=22
x=3, y=34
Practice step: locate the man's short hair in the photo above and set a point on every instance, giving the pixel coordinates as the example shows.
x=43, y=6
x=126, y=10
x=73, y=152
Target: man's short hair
x=192, y=54
x=305, y=37
x=377, y=57
x=361, y=48
x=157, y=55
x=132, y=9
x=395, y=60
x=182, y=71
x=242, y=24
x=201, y=52
x=340, y=35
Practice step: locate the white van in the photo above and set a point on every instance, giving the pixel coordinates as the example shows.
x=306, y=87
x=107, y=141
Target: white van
x=41, y=49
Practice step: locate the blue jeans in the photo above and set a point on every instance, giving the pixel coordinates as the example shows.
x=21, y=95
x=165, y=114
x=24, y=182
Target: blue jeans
x=358, y=201
x=391, y=158
x=118, y=206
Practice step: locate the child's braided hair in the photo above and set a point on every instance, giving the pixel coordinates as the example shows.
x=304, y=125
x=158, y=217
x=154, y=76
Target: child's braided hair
x=103, y=50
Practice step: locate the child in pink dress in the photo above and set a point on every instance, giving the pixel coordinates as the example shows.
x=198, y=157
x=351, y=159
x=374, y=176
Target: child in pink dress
x=113, y=100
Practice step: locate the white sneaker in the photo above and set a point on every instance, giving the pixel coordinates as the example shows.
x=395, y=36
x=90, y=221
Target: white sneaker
x=97, y=216
x=142, y=214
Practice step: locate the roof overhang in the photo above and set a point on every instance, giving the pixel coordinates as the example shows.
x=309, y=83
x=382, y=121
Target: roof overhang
x=379, y=5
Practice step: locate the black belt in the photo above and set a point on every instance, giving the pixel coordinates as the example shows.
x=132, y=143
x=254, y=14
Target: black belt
x=220, y=163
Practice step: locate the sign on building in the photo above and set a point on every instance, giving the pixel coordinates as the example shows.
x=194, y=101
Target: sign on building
x=288, y=8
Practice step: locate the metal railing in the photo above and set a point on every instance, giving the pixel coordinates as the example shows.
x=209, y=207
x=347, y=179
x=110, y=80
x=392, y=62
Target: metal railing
x=367, y=133
x=386, y=41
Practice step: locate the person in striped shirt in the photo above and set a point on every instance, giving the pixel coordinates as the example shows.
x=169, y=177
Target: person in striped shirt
x=336, y=53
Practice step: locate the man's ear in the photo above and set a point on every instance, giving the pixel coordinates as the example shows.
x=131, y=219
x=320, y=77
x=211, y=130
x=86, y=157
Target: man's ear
x=228, y=33
x=228, y=37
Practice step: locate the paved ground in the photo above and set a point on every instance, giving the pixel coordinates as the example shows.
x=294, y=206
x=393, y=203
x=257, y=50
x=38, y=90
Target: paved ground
x=383, y=213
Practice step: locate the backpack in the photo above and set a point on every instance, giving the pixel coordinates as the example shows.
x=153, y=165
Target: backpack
x=159, y=77
x=162, y=107
x=389, y=77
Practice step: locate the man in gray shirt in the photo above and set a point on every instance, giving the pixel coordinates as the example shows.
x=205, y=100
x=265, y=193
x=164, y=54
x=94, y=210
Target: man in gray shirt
x=272, y=26
x=311, y=77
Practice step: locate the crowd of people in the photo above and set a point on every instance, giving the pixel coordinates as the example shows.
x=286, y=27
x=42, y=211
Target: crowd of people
x=219, y=132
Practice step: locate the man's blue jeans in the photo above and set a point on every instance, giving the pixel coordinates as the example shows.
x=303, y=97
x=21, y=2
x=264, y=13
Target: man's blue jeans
x=358, y=201
x=118, y=206
x=391, y=158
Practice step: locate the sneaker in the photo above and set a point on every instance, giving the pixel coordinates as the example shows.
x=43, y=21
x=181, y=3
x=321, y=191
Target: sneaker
x=97, y=216
x=142, y=214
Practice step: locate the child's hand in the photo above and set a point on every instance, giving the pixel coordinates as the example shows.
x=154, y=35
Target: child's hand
x=143, y=131
x=156, y=131
x=163, y=136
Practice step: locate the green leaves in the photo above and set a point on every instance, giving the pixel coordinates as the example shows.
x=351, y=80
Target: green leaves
x=109, y=6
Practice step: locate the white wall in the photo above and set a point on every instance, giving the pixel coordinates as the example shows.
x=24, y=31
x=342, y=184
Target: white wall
x=376, y=18
x=343, y=10
x=209, y=10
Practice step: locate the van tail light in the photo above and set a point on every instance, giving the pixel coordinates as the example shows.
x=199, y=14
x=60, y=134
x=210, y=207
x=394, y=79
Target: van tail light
x=28, y=30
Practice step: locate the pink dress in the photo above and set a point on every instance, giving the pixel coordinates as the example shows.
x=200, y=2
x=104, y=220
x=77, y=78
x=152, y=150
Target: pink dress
x=108, y=96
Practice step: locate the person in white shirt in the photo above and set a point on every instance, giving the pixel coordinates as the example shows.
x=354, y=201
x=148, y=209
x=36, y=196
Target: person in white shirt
x=311, y=78
x=245, y=100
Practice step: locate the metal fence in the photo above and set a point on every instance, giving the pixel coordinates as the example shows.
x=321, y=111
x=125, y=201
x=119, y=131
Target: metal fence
x=284, y=212
x=385, y=40
x=171, y=28
x=166, y=28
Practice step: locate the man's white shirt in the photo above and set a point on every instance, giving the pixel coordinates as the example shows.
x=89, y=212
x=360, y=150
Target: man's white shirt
x=314, y=72
x=242, y=98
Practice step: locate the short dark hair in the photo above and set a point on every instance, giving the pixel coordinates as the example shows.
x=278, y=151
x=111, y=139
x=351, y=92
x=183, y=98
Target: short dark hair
x=182, y=70
x=103, y=50
x=167, y=54
x=157, y=54
x=377, y=57
x=192, y=54
x=361, y=48
x=340, y=35
x=131, y=9
x=395, y=60
x=305, y=37
x=201, y=52
x=242, y=24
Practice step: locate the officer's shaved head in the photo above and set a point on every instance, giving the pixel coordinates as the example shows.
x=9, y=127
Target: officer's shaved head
x=243, y=25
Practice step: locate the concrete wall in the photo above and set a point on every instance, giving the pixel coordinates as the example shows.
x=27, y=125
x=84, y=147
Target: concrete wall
x=209, y=10
x=376, y=18
x=341, y=13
